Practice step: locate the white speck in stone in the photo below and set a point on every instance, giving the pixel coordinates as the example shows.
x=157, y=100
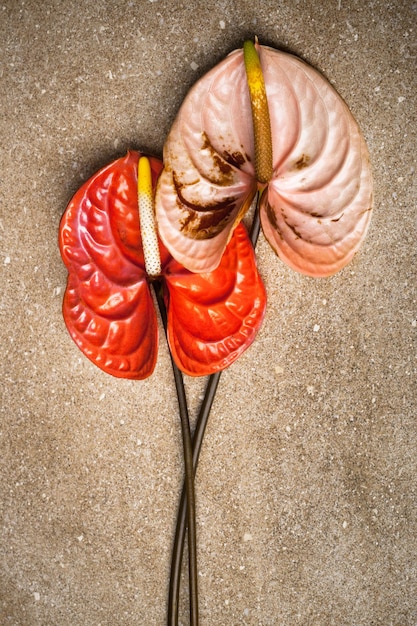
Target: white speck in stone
x=316, y=328
x=7, y=260
x=36, y=596
x=103, y=395
x=345, y=524
x=57, y=291
x=279, y=370
x=246, y=612
x=414, y=323
x=241, y=567
x=247, y=537
x=222, y=24
x=310, y=390
x=80, y=538
x=194, y=65
x=324, y=301
x=401, y=99
x=288, y=429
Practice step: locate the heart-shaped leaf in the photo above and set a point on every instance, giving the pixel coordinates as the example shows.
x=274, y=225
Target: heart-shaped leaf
x=316, y=208
x=213, y=317
x=107, y=307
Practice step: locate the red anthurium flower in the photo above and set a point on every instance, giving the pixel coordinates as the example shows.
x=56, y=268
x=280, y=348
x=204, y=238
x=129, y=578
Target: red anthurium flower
x=265, y=119
x=108, y=307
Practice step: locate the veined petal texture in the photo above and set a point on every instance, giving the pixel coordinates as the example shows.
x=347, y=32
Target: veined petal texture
x=213, y=317
x=108, y=309
x=208, y=178
x=107, y=306
x=317, y=207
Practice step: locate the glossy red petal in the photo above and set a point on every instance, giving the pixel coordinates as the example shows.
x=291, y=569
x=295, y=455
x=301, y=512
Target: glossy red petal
x=213, y=317
x=107, y=307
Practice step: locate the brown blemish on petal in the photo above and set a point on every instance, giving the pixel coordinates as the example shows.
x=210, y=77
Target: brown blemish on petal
x=236, y=159
x=225, y=164
x=302, y=162
x=203, y=221
x=272, y=219
x=206, y=225
x=222, y=173
x=227, y=202
x=294, y=230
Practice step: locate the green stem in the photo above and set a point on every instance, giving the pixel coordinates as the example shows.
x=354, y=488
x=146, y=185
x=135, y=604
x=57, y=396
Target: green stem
x=188, y=470
x=198, y=436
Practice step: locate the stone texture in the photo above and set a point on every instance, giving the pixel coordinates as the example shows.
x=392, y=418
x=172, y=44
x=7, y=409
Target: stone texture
x=307, y=484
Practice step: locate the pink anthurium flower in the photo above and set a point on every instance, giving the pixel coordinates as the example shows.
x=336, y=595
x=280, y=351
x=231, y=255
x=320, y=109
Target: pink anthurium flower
x=108, y=306
x=316, y=204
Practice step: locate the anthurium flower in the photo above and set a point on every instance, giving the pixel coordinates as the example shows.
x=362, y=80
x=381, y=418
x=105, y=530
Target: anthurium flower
x=264, y=119
x=108, y=242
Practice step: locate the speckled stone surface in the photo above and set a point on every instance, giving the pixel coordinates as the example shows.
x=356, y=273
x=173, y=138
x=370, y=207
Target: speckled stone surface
x=307, y=484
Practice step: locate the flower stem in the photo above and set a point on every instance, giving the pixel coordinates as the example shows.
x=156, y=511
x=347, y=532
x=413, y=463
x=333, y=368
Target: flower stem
x=197, y=441
x=178, y=547
x=189, y=508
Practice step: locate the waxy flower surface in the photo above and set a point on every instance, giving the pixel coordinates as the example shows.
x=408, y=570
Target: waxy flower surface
x=316, y=204
x=108, y=307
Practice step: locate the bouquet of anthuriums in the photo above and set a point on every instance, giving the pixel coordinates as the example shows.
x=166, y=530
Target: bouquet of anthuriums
x=260, y=125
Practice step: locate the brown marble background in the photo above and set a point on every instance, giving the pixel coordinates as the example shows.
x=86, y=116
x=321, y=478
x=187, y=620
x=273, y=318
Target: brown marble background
x=307, y=484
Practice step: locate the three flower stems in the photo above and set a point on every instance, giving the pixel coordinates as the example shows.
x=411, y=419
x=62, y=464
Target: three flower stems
x=186, y=518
